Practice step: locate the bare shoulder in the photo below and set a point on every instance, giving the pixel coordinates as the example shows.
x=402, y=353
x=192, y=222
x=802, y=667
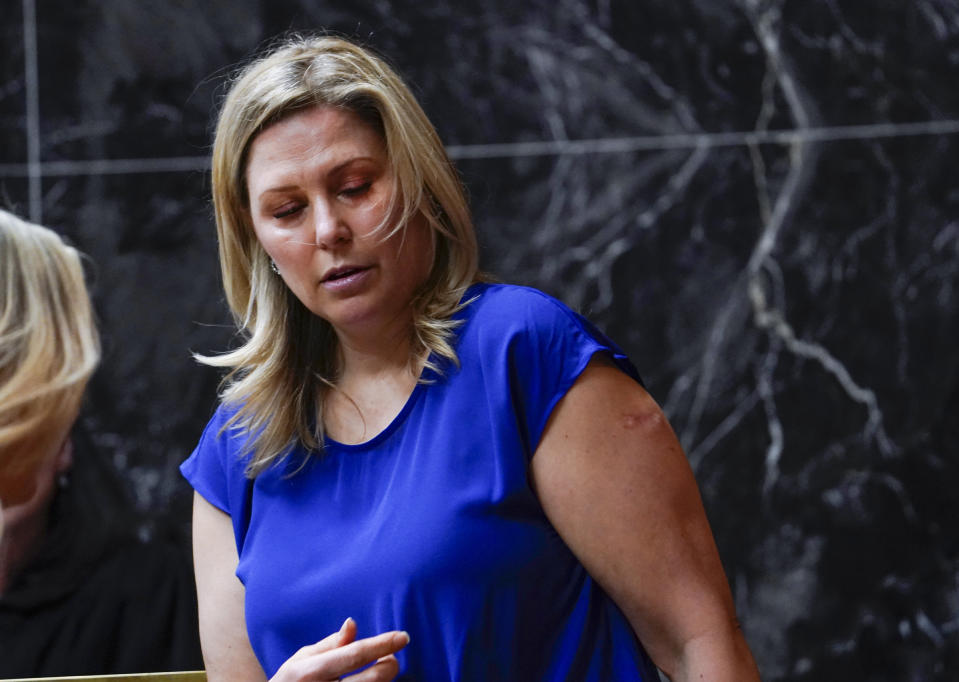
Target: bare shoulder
x=613, y=480
x=609, y=448
x=613, y=415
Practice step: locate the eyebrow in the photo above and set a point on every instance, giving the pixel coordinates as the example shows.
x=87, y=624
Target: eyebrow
x=335, y=169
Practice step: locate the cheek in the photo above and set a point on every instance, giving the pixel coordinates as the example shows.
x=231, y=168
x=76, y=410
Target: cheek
x=275, y=251
x=295, y=261
x=268, y=239
x=16, y=489
x=419, y=251
x=281, y=248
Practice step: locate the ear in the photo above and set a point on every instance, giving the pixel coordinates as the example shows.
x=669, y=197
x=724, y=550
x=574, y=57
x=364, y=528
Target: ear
x=64, y=458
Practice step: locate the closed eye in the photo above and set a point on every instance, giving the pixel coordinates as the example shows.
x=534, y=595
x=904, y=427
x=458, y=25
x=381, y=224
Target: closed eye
x=287, y=211
x=356, y=190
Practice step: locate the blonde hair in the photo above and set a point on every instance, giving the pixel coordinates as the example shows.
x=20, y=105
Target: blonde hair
x=49, y=345
x=280, y=373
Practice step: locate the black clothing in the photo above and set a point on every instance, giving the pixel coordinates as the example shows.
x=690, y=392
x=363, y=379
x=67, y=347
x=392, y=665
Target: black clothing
x=132, y=611
x=96, y=599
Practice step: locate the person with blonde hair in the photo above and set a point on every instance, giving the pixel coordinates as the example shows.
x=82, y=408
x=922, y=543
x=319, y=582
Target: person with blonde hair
x=468, y=476
x=49, y=347
x=80, y=592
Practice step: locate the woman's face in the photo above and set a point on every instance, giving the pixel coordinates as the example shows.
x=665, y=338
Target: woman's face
x=29, y=492
x=320, y=185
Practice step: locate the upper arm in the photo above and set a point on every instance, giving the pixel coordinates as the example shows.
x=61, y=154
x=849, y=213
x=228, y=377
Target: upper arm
x=614, y=482
x=227, y=653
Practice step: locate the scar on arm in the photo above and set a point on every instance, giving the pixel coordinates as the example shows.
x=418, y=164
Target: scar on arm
x=636, y=419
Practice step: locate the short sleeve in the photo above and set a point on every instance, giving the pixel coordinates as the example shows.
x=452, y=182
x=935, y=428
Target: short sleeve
x=215, y=469
x=547, y=347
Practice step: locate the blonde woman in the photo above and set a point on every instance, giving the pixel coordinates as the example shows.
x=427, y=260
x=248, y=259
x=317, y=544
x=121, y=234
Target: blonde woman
x=48, y=349
x=80, y=594
x=468, y=476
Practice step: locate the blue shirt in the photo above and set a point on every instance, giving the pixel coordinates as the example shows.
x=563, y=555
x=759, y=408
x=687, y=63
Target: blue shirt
x=432, y=527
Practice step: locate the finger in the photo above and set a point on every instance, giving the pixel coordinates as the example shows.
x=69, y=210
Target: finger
x=384, y=669
x=346, y=659
x=343, y=636
x=347, y=631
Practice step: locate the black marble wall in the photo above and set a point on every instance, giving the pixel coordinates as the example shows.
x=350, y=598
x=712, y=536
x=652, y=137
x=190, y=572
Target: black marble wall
x=752, y=196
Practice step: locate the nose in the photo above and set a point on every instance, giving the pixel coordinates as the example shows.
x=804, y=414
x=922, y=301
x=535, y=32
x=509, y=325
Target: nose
x=329, y=227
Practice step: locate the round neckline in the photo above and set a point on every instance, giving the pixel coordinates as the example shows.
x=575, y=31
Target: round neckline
x=426, y=375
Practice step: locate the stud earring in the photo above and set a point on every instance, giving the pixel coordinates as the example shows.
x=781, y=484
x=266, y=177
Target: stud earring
x=273, y=266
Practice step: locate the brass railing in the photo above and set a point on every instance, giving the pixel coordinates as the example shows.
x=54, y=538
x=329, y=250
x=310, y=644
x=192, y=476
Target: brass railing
x=192, y=676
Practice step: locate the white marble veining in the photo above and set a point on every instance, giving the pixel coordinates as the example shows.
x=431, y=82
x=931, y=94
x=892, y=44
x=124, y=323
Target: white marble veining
x=753, y=197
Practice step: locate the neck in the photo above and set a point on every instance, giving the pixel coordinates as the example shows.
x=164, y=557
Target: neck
x=369, y=353
x=376, y=378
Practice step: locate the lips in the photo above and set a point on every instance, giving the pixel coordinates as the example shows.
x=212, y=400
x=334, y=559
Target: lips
x=342, y=272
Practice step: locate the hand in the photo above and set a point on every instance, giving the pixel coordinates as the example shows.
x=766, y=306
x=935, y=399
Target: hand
x=337, y=655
